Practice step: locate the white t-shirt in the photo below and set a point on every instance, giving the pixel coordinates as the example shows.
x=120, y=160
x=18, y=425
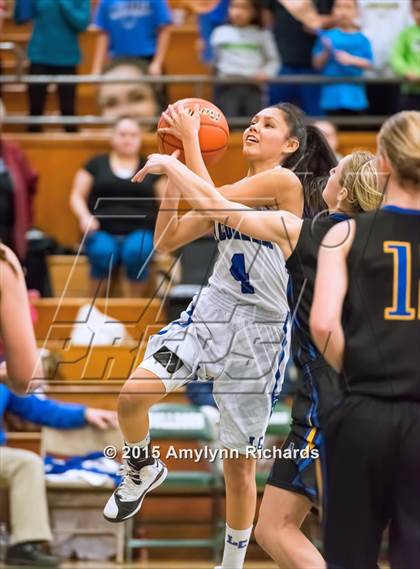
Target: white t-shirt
x=382, y=21
x=244, y=51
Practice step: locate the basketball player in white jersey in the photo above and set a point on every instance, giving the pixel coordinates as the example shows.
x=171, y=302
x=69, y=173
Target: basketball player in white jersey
x=236, y=331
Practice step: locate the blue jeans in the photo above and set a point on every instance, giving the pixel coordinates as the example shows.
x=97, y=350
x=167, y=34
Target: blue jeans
x=134, y=251
x=306, y=96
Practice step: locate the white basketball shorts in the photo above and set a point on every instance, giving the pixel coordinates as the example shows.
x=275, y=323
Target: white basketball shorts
x=245, y=359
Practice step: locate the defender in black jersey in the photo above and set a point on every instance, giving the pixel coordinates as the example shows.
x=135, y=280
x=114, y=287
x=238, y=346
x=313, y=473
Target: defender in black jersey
x=366, y=318
x=291, y=491
x=318, y=388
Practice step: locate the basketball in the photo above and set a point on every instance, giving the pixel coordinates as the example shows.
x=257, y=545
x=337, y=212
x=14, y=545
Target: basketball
x=213, y=134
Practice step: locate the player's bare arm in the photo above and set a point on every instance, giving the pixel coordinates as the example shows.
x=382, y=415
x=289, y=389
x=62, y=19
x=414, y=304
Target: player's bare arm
x=330, y=290
x=281, y=227
x=172, y=230
x=15, y=323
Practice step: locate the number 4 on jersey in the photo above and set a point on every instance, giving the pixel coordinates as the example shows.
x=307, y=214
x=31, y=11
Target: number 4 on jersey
x=238, y=272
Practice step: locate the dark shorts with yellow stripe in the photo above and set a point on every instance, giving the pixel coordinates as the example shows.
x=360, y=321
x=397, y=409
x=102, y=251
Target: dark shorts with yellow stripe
x=298, y=469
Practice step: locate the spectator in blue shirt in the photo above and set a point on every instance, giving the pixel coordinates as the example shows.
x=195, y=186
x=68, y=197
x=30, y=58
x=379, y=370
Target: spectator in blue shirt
x=23, y=472
x=293, y=24
x=343, y=51
x=53, y=48
x=137, y=29
x=216, y=15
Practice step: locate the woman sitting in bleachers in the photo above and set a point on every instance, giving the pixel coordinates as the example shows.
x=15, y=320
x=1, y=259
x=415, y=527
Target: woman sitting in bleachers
x=117, y=217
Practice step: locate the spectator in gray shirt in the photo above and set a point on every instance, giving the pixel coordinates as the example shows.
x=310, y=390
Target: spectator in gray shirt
x=243, y=48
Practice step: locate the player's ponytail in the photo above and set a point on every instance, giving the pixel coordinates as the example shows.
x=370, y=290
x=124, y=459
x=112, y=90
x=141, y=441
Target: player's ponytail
x=398, y=141
x=360, y=178
x=313, y=159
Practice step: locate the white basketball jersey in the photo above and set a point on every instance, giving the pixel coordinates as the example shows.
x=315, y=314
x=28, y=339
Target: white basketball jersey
x=249, y=272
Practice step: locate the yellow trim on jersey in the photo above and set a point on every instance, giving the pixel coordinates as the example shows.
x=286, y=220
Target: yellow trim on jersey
x=309, y=439
x=393, y=247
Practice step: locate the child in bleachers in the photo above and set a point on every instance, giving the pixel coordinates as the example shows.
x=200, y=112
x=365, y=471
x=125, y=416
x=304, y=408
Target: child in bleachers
x=242, y=48
x=293, y=25
x=382, y=22
x=54, y=48
x=343, y=51
x=214, y=15
x=405, y=61
x=136, y=29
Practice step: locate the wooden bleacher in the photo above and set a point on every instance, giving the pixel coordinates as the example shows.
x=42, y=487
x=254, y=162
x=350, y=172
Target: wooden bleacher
x=182, y=58
x=25, y=440
x=141, y=317
x=57, y=156
x=94, y=375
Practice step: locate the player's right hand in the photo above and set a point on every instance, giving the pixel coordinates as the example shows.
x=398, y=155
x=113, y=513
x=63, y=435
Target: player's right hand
x=183, y=123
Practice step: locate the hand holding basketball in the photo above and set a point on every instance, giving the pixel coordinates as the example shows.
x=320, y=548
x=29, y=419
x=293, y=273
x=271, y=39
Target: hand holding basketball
x=182, y=122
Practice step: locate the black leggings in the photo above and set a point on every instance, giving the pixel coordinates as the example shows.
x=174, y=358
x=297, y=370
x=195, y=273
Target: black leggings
x=38, y=93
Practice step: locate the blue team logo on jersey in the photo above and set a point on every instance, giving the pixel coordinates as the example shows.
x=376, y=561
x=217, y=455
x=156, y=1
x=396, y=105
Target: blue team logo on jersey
x=223, y=232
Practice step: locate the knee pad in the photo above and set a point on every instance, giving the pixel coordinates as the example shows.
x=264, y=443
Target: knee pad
x=168, y=359
x=166, y=365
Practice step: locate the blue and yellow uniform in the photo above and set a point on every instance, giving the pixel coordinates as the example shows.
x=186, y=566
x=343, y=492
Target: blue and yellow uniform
x=318, y=388
x=372, y=438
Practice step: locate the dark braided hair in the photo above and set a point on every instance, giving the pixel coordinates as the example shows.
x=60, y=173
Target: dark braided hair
x=312, y=161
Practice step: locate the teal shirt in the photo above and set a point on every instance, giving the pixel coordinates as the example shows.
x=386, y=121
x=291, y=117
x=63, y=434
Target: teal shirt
x=57, y=25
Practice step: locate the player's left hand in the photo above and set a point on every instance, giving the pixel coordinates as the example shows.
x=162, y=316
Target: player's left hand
x=183, y=122
x=101, y=418
x=156, y=164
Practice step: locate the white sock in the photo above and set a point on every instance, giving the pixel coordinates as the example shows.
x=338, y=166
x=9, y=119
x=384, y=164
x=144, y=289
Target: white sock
x=138, y=453
x=142, y=444
x=236, y=544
